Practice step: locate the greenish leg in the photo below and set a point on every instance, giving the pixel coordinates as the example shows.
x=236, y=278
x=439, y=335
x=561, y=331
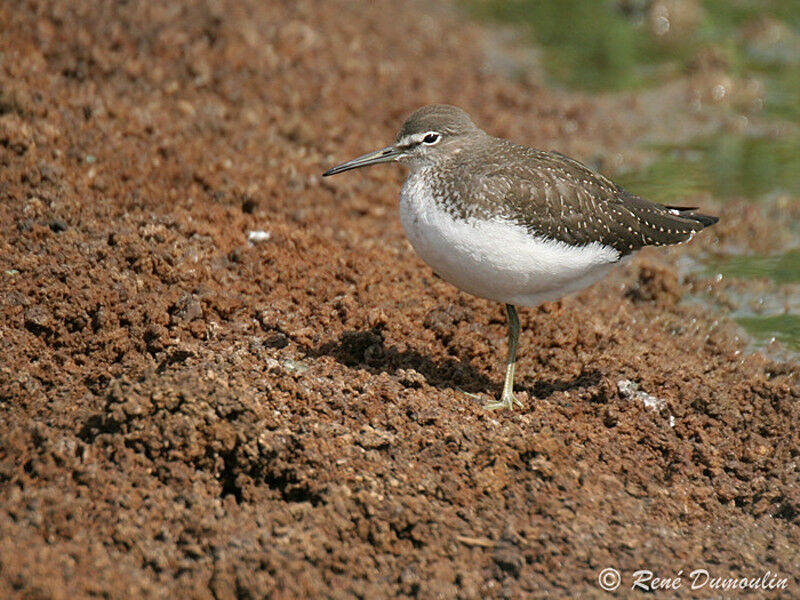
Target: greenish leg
x=508, y=400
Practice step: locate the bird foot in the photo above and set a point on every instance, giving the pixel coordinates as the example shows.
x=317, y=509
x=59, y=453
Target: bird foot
x=507, y=401
x=470, y=394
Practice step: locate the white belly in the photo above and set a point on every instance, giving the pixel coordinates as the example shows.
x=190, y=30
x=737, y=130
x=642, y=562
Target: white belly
x=498, y=259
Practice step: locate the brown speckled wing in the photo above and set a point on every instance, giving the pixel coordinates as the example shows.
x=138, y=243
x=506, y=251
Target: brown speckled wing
x=559, y=198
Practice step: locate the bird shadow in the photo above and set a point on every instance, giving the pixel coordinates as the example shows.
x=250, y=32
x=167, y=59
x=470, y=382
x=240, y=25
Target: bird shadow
x=367, y=350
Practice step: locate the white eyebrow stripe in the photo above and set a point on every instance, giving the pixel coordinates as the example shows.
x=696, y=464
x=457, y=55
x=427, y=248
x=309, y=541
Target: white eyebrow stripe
x=416, y=138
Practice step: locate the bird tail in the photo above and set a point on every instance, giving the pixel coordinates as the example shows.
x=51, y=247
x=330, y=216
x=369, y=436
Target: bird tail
x=687, y=212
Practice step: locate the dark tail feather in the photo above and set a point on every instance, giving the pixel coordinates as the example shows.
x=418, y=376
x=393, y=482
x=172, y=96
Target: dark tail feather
x=680, y=208
x=686, y=212
x=704, y=220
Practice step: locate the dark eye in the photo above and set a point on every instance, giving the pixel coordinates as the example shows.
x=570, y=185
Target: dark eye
x=430, y=138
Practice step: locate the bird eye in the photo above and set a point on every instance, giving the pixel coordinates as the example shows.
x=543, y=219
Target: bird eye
x=431, y=138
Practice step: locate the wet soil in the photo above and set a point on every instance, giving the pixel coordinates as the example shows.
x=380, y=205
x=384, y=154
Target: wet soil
x=187, y=414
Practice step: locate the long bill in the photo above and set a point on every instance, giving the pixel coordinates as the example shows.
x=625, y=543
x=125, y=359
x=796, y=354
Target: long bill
x=388, y=154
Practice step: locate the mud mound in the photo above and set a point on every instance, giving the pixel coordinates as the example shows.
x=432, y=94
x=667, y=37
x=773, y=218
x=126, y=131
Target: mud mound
x=186, y=414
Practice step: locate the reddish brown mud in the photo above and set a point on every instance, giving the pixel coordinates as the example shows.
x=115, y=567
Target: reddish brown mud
x=185, y=414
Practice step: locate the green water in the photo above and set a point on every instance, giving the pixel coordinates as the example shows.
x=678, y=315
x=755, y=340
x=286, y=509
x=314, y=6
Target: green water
x=584, y=43
x=765, y=318
x=784, y=328
x=602, y=45
x=723, y=166
x=782, y=268
x=613, y=45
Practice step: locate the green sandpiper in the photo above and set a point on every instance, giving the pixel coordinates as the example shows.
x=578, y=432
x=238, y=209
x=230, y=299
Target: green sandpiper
x=513, y=224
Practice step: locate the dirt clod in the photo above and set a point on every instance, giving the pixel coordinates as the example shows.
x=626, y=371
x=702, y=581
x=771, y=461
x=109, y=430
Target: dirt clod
x=189, y=415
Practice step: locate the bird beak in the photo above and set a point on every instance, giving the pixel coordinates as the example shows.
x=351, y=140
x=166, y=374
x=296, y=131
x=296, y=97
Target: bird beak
x=388, y=154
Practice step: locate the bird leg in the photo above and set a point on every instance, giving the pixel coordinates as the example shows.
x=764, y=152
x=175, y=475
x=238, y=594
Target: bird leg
x=508, y=400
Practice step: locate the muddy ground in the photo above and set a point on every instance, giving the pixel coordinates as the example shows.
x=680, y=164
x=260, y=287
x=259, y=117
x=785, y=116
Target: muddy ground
x=186, y=414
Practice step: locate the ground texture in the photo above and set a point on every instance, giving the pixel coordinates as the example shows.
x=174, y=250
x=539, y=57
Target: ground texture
x=186, y=414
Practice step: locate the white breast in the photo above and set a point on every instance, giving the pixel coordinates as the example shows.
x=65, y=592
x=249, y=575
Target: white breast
x=497, y=259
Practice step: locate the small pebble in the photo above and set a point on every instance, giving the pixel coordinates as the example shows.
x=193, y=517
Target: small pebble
x=256, y=237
